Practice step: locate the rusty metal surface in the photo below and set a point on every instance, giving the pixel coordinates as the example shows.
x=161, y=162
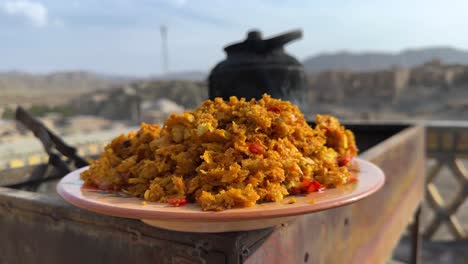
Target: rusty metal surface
x=364, y=232
x=40, y=228
x=37, y=228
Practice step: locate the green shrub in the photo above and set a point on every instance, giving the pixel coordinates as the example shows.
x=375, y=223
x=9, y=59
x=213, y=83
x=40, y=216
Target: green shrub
x=8, y=113
x=40, y=111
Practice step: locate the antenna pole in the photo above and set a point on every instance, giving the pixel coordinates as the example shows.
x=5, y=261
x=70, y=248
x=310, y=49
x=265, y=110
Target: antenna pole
x=164, y=50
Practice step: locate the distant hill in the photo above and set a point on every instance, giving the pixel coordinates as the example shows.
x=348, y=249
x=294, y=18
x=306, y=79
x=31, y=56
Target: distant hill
x=72, y=80
x=53, y=88
x=61, y=87
x=182, y=76
x=369, y=61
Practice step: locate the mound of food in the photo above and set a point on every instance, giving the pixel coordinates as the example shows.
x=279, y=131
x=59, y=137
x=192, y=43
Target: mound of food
x=227, y=154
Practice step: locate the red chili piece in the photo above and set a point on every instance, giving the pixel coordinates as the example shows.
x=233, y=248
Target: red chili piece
x=315, y=186
x=89, y=187
x=344, y=160
x=352, y=180
x=256, y=148
x=305, y=184
x=176, y=201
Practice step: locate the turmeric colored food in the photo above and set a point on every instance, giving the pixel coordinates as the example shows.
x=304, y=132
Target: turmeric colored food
x=227, y=154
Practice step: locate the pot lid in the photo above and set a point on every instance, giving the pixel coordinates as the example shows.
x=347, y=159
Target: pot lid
x=254, y=44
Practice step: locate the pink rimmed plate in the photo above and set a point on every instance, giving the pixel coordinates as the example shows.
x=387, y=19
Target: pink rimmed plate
x=191, y=218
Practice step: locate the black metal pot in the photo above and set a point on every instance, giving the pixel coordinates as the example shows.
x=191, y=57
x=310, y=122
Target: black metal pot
x=257, y=66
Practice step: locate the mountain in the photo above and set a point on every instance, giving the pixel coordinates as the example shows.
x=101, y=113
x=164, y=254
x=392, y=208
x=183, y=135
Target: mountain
x=53, y=88
x=60, y=87
x=71, y=80
x=183, y=76
x=369, y=61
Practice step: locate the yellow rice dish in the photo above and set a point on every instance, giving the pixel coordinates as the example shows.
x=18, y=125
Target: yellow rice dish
x=227, y=154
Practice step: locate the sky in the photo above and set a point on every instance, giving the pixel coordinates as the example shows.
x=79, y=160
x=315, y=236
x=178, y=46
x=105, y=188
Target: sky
x=122, y=37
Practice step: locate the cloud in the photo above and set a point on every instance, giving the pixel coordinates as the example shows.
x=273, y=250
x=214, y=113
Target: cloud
x=33, y=11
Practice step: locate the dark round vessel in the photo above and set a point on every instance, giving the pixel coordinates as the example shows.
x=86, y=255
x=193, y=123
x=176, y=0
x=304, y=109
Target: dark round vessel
x=256, y=66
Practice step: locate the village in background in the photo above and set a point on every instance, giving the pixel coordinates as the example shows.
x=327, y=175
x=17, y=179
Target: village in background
x=84, y=107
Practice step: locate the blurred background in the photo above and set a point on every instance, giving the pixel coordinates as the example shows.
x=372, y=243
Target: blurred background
x=364, y=60
x=76, y=63
x=105, y=66
x=91, y=70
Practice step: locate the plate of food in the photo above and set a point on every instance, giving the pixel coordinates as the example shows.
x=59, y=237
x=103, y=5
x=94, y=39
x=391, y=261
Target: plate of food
x=225, y=166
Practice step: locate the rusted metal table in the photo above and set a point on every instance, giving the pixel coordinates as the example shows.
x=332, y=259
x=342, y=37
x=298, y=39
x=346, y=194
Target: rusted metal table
x=42, y=228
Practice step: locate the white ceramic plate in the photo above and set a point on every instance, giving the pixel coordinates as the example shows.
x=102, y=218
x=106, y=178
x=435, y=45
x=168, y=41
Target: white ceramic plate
x=191, y=218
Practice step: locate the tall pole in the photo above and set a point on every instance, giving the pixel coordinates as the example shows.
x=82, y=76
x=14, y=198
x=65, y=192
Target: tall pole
x=164, y=51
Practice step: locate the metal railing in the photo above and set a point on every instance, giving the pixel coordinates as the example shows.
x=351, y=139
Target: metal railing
x=447, y=150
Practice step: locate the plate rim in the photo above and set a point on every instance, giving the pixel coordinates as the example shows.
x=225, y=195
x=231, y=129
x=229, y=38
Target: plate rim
x=222, y=216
